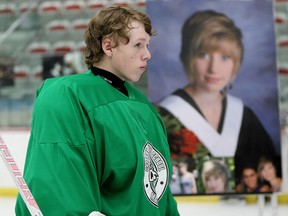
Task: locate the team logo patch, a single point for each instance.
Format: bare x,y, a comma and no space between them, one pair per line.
155,174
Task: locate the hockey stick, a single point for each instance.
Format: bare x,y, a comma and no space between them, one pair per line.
19,180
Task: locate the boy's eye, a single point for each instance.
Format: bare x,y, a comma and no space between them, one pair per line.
138,45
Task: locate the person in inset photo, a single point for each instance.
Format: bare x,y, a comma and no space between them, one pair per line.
187,178
251,183
203,118
215,176
174,184
268,172
182,179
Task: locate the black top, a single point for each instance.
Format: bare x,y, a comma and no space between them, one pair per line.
110,78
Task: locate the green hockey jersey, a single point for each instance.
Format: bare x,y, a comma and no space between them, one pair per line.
92,148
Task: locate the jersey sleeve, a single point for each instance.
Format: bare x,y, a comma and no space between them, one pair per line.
61,178
60,167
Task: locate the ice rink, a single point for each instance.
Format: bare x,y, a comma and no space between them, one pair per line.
196,208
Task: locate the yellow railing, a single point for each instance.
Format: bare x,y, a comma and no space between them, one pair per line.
250,199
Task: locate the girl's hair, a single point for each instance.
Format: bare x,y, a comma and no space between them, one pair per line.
112,22
208,31
215,168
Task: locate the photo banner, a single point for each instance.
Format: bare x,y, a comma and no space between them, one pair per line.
236,147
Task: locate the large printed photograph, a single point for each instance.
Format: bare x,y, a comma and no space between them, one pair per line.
213,79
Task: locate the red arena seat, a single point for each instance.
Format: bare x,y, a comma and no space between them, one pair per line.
80,46
21,74
283,69
283,42
73,6
7,9
141,3
96,4
64,46
39,47
124,3
50,7
37,72
79,24
61,26
280,18
27,6
21,71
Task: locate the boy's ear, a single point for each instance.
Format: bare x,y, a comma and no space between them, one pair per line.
107,44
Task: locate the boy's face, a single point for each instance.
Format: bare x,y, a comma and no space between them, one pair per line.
129,61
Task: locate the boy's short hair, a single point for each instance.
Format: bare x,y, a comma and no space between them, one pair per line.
112,22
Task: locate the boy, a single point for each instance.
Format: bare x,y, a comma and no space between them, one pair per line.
97,143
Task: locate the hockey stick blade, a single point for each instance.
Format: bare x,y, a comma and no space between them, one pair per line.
19,180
